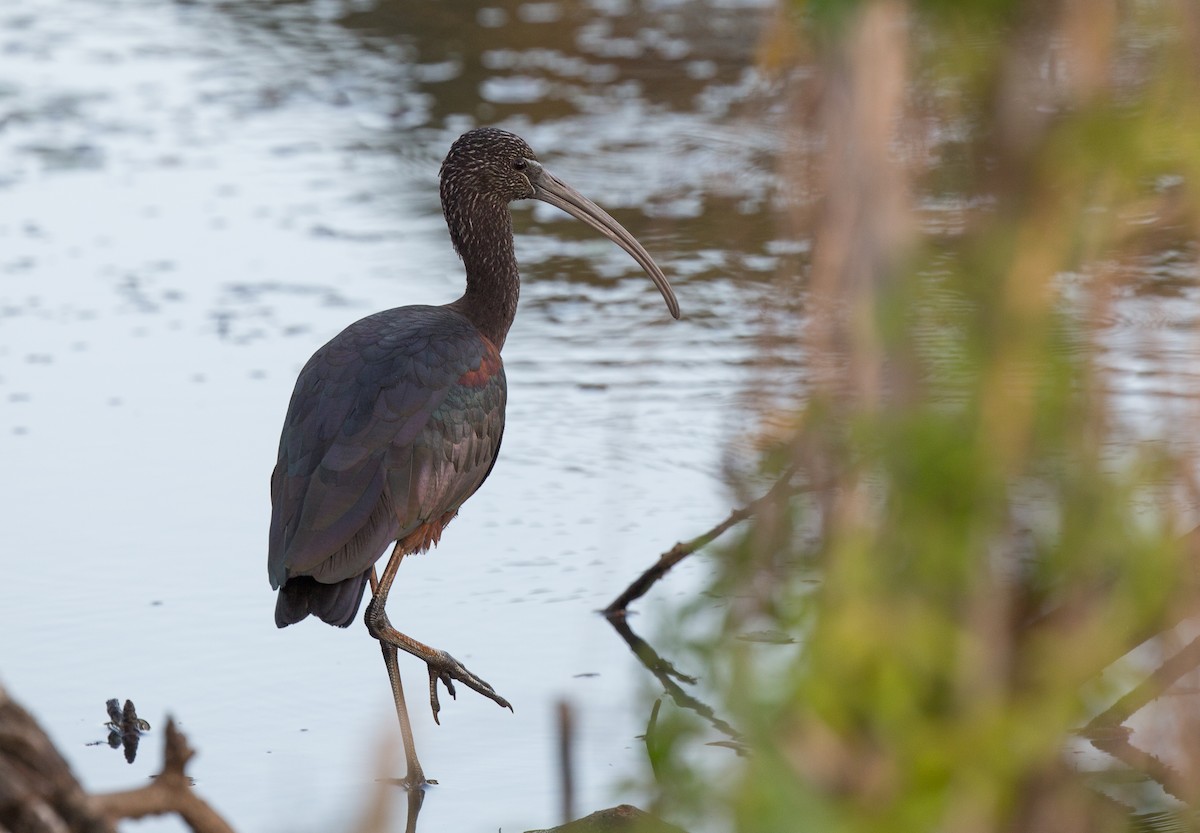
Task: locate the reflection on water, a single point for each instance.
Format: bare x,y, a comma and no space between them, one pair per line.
125,728
671,679
195,195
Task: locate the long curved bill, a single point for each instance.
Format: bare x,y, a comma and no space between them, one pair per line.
551,189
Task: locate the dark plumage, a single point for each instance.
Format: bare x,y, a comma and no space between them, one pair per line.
398,419
392,425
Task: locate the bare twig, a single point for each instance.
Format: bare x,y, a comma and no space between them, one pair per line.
1185,660
685,548
170,792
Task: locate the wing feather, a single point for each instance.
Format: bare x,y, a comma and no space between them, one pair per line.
392,424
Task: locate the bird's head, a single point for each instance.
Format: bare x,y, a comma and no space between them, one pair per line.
489,166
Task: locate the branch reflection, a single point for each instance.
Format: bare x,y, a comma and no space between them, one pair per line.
671,677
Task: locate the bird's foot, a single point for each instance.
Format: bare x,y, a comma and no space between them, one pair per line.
415,781
442,666
445,668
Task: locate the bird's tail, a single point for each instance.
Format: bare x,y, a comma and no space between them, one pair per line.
335,603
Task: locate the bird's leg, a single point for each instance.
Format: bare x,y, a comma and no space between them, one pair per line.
415,777
442,666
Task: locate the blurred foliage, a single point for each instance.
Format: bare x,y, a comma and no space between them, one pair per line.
979,540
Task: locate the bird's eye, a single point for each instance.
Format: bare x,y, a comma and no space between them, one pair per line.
520,165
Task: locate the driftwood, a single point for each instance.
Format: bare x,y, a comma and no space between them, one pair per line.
40,794
170,792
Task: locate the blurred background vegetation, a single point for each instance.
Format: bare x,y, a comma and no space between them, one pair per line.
922,228
928,631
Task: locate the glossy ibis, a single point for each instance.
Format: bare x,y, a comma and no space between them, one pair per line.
397,420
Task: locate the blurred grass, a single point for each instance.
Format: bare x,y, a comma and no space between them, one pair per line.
984,541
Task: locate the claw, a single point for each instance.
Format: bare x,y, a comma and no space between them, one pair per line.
442,667
446,669
433,694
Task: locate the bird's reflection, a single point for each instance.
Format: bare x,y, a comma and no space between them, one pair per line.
378,819
414,798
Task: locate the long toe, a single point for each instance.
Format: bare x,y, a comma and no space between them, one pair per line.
442,666
445,668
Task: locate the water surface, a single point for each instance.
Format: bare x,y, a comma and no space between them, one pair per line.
196,195
193,197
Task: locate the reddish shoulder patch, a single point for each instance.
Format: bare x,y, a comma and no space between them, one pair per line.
489,366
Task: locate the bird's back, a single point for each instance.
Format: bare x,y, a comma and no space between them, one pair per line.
391,426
